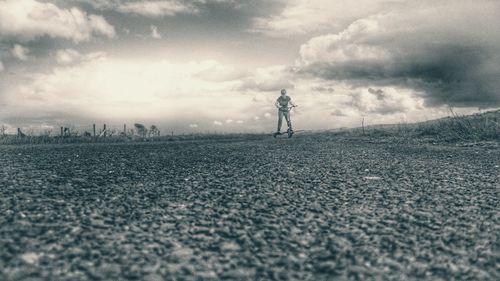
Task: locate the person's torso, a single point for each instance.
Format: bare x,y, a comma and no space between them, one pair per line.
283,101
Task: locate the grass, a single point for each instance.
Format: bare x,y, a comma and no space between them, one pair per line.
13,140
455,128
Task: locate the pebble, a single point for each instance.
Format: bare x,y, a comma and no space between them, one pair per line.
30,257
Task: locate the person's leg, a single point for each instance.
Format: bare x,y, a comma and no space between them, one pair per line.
280,119
288,120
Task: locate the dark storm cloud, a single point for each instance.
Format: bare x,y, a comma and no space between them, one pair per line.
450,58
464,76
241,10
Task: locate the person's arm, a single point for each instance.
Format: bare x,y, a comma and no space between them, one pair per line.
277,103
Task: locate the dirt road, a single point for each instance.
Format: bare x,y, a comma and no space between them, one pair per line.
309,208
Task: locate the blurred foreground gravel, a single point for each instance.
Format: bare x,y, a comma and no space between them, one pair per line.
309,208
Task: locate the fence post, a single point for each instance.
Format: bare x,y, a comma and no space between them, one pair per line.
62,132
104,134
93,127
19,134
363,125
125,129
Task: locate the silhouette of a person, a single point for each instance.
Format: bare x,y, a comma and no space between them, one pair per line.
284,110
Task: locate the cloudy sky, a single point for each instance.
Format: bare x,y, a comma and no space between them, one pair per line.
218,65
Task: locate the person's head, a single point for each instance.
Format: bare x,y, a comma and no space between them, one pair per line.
283,92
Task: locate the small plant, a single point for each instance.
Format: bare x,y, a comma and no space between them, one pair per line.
2,131
141,129
154,131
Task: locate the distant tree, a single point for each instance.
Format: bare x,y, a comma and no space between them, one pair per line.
154,131
2,130
20,133
141,129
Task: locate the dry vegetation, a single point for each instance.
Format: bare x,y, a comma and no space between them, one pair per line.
9,139
481,127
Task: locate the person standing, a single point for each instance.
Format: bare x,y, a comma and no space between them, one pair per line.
283,104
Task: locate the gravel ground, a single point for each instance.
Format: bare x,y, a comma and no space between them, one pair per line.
309,208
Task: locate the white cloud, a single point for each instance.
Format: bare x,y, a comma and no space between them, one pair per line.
67,56
193,125
385,101
217,123
306,16
240,121
229,121
272,78
217,72
341,47
28,19
71,56
20,52
104,87
154,32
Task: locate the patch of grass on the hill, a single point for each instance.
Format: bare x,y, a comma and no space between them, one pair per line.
468,128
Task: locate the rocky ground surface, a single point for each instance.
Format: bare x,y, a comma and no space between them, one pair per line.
308,208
